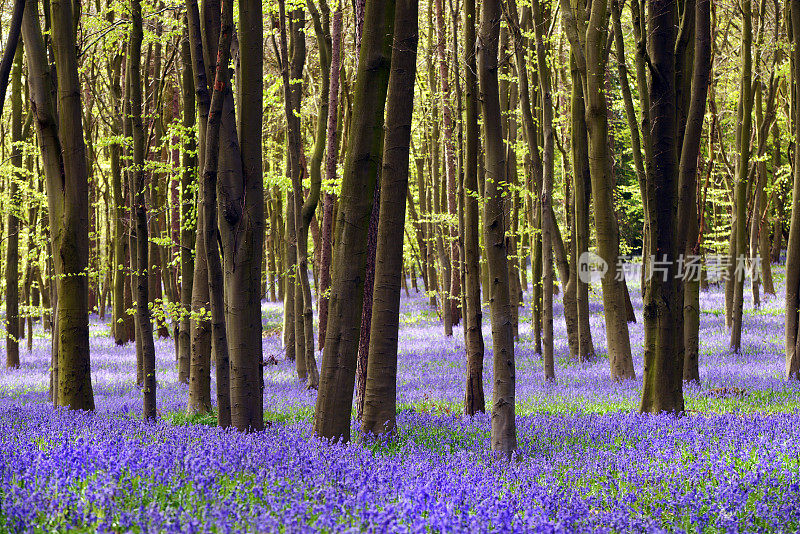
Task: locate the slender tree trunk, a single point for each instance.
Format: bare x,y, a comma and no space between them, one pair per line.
474,400
138,189
450,161
200,326
547,192
793,248
504,432
211,231
12,250
380,395
9,54
689,221
591,59
187,214
330,173
743,171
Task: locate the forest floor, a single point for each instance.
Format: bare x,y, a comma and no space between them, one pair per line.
587,461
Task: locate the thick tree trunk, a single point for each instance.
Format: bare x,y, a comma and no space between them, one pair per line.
504,432
64,156
380,395
362,164
242,227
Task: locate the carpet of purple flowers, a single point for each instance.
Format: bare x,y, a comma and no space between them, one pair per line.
587,461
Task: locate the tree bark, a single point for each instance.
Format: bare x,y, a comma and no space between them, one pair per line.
11,50
138,189
548,167
187,211
12,250
793,248
504,433
211,230
450,162
474,400
200,326
362,164
590,59
743,171
241,205
64,156
331,154
380,395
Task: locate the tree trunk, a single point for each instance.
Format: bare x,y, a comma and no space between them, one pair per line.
12,250
64,156
330,173
362,164
450,162
380,395
211,230
504,432
241,205
591,64
548,166
138,190
793,248
200,326
743,171
187,213
366,313
474,400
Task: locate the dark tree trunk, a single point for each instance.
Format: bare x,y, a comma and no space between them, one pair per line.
548,166
200,326
743,171
138,202
474,400
381,385
64,157
12,250
211,230
362,164
330,174
793,248
366,313
187,214
504,432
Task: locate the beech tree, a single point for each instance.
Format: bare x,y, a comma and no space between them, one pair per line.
59,129
504,430
381,384
363,160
